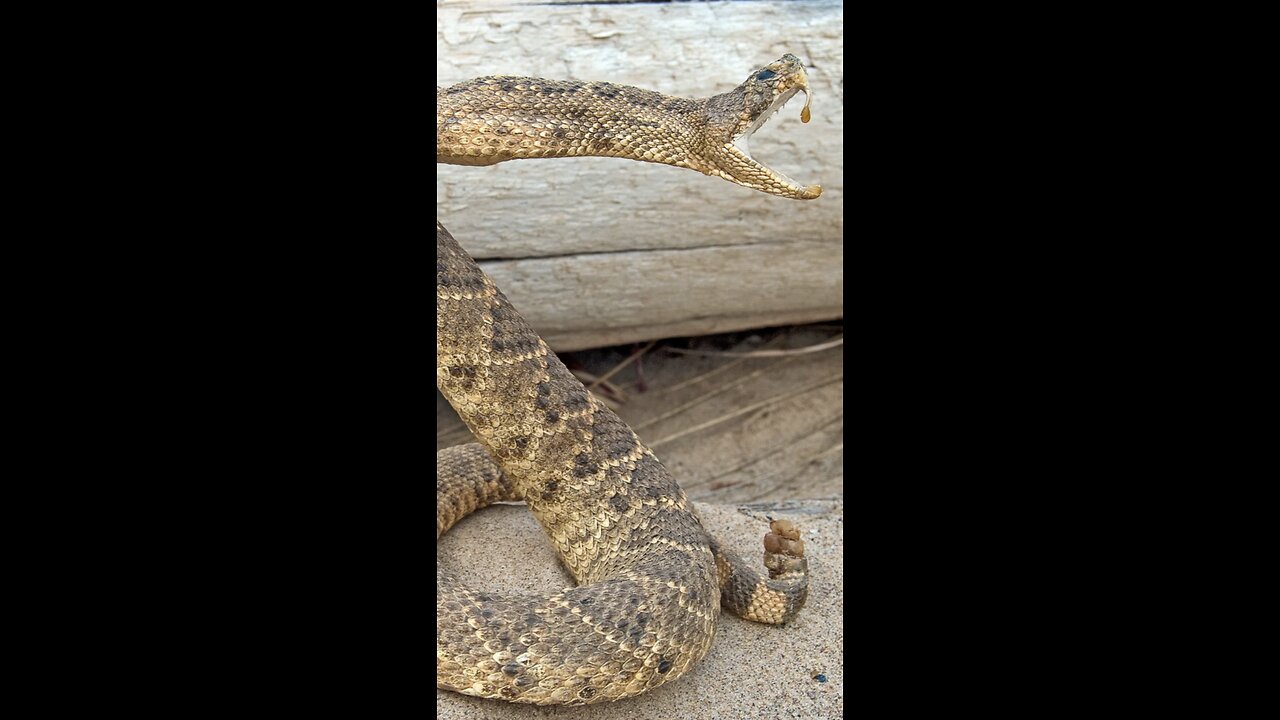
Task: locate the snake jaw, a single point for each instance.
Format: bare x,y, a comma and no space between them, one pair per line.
778,101
756,100
736,166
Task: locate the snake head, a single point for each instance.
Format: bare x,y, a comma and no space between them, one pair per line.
732,118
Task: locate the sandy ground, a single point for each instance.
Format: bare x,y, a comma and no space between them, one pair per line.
750,439
752,671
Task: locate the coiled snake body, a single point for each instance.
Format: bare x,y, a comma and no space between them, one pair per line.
651,580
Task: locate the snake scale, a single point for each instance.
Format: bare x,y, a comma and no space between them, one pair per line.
651,580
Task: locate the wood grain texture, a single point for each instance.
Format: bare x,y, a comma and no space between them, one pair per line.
598,251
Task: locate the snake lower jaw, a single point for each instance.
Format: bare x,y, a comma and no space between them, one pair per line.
733,164
806,192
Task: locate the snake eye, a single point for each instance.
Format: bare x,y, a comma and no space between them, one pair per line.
765,74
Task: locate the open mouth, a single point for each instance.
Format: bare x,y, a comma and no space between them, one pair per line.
743,141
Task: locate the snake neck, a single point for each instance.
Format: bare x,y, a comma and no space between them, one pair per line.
494,119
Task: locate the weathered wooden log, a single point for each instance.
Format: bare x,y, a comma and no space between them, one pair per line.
598,251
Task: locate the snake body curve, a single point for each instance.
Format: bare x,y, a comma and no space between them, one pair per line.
651,580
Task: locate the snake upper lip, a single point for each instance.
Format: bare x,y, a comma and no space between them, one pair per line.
775,106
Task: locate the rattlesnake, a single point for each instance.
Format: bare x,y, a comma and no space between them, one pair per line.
651,580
